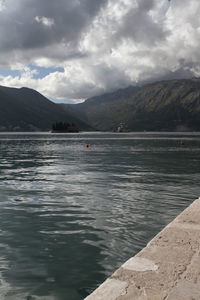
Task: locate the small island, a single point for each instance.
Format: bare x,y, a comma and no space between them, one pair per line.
64,127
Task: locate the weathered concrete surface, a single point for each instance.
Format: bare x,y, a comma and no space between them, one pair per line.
168,268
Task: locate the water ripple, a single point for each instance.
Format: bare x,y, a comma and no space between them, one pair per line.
71,215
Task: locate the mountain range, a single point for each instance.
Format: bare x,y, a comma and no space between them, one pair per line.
172,105
25,109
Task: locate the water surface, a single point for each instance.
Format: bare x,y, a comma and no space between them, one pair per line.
70,215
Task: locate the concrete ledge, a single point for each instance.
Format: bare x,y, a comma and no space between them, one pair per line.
168,268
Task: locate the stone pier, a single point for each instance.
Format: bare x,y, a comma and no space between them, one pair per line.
168,268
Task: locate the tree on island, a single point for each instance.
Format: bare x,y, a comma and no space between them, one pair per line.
64,127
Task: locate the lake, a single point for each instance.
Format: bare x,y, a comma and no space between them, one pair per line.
71,214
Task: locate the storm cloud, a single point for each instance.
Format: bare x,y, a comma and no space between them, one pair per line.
101,45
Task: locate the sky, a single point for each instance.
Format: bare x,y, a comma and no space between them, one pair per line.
71,50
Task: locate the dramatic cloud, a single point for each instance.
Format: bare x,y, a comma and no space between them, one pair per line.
81,48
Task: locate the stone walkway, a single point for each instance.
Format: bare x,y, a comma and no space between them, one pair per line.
168,268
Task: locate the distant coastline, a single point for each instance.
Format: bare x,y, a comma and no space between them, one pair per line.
64,131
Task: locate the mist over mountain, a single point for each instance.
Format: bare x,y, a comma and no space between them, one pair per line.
27,110
172,105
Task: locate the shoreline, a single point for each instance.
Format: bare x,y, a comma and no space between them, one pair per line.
166,269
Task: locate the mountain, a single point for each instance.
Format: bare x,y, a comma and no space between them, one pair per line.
172,105
25,109
101,112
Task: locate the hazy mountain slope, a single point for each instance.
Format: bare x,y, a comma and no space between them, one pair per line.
101,112
25,109
169,105
166,105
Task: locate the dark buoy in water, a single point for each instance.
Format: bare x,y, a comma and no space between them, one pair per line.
87,145
18,200
182,143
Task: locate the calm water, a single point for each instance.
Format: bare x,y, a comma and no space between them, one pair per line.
70,215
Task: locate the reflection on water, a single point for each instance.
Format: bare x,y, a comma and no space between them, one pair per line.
70,215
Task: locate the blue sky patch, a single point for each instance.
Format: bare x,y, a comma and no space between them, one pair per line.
42,72
13,73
